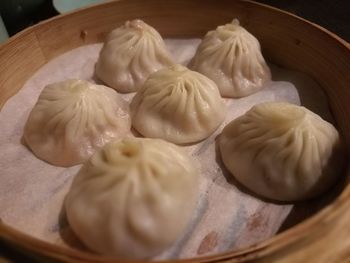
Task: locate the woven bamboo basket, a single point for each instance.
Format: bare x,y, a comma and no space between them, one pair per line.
287,40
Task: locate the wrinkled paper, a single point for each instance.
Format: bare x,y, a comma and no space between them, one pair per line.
226,215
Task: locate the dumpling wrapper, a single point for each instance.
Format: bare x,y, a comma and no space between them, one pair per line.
282,151
130,54
74,118
231,57
133,198
177,105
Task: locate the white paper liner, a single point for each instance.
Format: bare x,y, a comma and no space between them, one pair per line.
226,217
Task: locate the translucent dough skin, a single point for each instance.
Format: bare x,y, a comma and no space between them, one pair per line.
177,105
133,198
231,57
72,119
130,54
282,151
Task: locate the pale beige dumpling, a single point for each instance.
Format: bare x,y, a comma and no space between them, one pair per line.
282,151
130,54
72,119
133,198
178,105
232,58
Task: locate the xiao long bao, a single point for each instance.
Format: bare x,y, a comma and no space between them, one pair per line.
177,105
232,58
72,119
133,198
282,151
130,54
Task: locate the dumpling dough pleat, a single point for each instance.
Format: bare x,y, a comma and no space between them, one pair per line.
282,151
72,119
133,198
130,54
232,58
178,105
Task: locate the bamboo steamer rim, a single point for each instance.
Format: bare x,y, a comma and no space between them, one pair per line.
304,241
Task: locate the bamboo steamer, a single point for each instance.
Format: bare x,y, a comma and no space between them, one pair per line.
287,40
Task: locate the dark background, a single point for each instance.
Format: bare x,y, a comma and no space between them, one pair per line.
331,14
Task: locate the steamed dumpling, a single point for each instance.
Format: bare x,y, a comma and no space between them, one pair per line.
72,119
178,105
133,198
130,54
232,58
282,151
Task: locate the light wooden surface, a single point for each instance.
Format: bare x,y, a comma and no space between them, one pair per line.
286,40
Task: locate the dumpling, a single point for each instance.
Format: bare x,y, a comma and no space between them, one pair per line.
130,54
133,198
282,151
178,105
72,119
232,58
